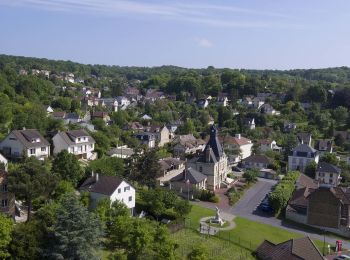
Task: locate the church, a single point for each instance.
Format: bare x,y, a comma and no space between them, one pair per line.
212,162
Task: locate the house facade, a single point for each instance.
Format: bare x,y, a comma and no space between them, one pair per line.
77,142
147,139
212,162
256,162
109,187
301,156
170,168
188,144
269,145
161,133
7,199
27,142
328,174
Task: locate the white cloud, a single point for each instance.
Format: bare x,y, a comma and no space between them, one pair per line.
192,13
203,42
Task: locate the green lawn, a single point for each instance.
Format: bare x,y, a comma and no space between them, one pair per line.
216,248
247,234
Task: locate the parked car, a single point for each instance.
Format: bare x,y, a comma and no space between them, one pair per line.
265,205
342,257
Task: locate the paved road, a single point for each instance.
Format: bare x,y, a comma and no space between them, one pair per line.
246,207
252,198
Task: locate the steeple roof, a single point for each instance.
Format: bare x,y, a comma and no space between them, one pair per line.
214,142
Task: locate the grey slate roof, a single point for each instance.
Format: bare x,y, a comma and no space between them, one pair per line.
304,148
105,185
25,137
327,167
190,174
257,159
214,142
69,136
121,151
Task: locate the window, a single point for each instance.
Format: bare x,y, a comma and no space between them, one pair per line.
119,190
4,187
4,203
43,149
79,139
200,168
126,188
330,181
331,175
130,198
32,151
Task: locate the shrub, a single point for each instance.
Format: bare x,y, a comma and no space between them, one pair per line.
279,198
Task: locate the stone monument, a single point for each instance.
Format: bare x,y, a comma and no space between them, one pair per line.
217,219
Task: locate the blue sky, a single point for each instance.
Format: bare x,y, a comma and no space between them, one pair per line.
256,34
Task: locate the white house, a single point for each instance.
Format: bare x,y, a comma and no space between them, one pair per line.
4,162
203,103
27,142
327,174
77,142
109,187
301,156
121,152
269,145
123,102
222,100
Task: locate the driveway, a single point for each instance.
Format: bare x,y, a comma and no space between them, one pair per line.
247,205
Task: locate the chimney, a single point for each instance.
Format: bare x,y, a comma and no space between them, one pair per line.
92,174
238,136
96,177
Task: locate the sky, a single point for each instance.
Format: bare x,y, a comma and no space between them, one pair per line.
250,34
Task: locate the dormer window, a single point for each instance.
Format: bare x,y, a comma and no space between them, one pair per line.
79,139
35,140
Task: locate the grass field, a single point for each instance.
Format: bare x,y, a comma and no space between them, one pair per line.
216,248
247,234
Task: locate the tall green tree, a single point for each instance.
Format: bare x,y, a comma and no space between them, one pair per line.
68,167
6,227
77,232
31,180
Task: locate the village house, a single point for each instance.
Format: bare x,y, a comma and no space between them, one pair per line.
3,163
247,102
123,102
304,138
189,182
296,248
146,117
269,145
49,110
77,142
203,103
324,146
237,147
269,110
25,143
327,208
152,95
121,152
256,161
250,123
7,199
161,134
212,162
222,100
147,139
134,126
132,93
257,102
100,115
172,126
110,103
289,127
170,168
187,144
109,187
328,174
301,156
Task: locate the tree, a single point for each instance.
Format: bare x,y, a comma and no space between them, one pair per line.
147,169
31,180
198,252
77,231
108,211
112,166
310,169
68,167
6,227
329,158
251,175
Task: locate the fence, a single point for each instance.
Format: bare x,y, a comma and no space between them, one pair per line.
222,244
